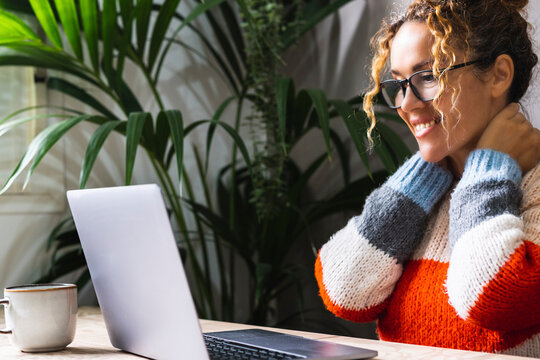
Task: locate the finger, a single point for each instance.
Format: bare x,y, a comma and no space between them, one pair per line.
510,109
528,160
520,117
509,112
536,135
535,143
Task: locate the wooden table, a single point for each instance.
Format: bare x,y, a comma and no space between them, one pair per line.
92,342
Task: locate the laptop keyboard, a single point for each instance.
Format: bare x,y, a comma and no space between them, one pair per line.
220,349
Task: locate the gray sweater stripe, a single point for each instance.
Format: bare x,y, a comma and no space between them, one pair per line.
477,203
392,222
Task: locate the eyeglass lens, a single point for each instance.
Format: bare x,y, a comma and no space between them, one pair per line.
424,85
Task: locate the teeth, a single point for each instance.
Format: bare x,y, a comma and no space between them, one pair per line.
425,125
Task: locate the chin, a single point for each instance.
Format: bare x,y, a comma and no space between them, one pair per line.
431,154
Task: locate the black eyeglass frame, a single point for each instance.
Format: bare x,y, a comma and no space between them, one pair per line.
407,81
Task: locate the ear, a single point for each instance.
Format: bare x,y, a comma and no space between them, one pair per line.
502,75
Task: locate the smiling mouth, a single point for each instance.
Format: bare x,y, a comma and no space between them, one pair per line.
423,126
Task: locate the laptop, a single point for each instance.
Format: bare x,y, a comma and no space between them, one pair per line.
142,289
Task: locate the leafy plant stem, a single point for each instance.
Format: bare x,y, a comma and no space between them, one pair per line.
233,162
204,248
232,202
147,76
204,292
99,82
172,198
225,303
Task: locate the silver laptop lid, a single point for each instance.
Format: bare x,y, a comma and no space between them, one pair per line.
109,222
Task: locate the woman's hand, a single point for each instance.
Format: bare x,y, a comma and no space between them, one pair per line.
511,133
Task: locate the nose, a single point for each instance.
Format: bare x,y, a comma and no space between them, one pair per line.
410,101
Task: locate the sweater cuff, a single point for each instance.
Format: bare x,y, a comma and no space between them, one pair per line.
421,181
489,165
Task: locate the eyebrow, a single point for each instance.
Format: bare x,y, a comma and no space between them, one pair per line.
415,68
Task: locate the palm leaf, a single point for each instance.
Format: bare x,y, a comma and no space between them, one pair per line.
176,125
342,154
161,136
89,15
321,107
32,108
8,124
108,34
357,129
70,21
134,130
398,147
209,45
57,131
163,20
212,127
202,176
142,16
225,46
26,54
128,100
381,148
203,8
302,108
215,221
313,12
14,29
76,92
219,70
83,279
128,15
234,135
94,146
66,223
21,6
41,144
234,29
44,13
299,187
68,262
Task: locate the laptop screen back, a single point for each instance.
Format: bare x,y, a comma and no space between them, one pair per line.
137,271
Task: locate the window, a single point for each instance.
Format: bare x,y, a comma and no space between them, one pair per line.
45,192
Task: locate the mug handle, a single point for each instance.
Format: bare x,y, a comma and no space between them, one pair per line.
5,302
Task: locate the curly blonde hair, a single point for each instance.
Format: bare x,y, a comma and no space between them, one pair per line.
464,25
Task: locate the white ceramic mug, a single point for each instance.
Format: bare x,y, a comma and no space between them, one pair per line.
40,317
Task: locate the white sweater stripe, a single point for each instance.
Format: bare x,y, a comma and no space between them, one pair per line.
357,282
478,256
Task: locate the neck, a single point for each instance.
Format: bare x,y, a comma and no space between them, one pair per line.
457,160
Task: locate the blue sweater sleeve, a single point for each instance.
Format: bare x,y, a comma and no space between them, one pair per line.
395,215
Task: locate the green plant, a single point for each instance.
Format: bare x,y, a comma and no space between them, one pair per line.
263,207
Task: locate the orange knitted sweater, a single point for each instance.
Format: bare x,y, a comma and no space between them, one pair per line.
456,265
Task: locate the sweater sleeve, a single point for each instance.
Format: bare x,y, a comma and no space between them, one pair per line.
359,266
493,278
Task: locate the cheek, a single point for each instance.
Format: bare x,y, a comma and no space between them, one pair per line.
446,104
469,110
405,119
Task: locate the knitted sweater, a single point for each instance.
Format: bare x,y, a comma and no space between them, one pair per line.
440,267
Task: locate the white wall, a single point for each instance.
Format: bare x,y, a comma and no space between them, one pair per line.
530,100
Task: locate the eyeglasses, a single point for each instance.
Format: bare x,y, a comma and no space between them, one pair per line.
424,85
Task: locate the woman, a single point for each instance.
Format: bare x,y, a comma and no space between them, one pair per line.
447,252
